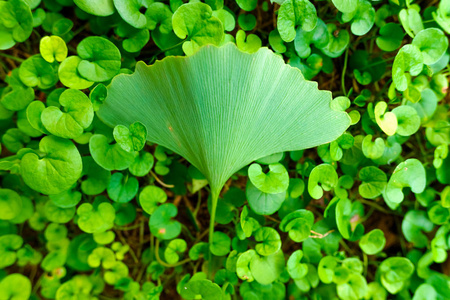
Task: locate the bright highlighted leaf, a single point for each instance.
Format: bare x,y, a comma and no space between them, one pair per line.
77,116
195,22
100,59
294,13
212,150
132,138
53,48
326,176
56,170
409,173
250,43
373,242
386,120
161,224
96,217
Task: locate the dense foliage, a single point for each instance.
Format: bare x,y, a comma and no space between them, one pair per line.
88,211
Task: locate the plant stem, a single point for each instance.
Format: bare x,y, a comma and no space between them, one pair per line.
344,69
214,199
12,57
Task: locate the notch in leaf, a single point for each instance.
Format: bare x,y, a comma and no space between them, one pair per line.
221,109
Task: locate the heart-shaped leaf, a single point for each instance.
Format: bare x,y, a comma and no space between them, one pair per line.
386,120
56,170
132,138
77,116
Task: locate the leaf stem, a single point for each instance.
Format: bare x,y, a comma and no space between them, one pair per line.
214,199
163,263
12,57
344,70
160,182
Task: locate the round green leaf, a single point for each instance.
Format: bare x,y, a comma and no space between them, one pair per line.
35,71
96,217
408,120
56,170
324,174
53,48
373,242
409,173
15,287
77,116
263,203
150,197
220,245
373,183
132,138
161,224
433,43
100,59
10,204
195,22
269,241
100,8
69,75
109,157
122,188
267,269
274,182
171,252
130,11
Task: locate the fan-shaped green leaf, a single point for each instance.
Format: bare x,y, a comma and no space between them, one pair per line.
229,127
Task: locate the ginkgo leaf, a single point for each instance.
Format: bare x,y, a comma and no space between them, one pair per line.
222,109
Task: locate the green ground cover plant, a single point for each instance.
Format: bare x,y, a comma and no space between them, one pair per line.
211,150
